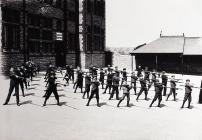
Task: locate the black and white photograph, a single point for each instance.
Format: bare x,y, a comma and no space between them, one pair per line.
100,69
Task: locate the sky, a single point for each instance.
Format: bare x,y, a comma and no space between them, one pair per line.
130,23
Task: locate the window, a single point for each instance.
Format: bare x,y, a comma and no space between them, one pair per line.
71,16
96,29
89,42
9,15
46,23
102,43
47,35
34,46
10,37
71,5
88,6
33,20
71,41
46,48
59,25
34,33
96,43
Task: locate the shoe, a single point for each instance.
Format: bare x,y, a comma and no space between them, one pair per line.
110,98
44,104
104,93
87,104
117,105
5,104
98,105
150,106
18,104
58,104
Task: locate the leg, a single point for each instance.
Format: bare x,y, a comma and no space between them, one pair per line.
128,100
146,93
189,101
76,88
169,94
141,90
174,94
160,99
107,86
110,87
91,96
154,99
17,94
9,93
22,88
185,99
164,90
56,95
122,98
117,93
112,93
49,91
97,98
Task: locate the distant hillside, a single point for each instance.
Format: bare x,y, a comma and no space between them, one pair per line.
121,50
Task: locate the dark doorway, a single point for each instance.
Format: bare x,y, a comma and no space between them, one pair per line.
108,58
60,54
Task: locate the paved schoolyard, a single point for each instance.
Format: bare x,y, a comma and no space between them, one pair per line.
75,121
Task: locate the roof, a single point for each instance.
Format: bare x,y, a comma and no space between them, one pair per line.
172,44
193,46
34,7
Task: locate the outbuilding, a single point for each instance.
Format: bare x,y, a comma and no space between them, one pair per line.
175,54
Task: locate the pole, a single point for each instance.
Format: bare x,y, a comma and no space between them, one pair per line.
92,8
156,63
132,62
200,95
24,30
65,29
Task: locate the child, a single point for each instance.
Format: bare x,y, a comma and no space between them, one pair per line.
158,93
94,91
187,96
126,93
102,76
87,85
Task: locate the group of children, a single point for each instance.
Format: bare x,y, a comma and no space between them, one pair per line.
115,80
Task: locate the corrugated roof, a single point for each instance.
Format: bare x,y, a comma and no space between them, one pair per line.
165,44
193,46
173,44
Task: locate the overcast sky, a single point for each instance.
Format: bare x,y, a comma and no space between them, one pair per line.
133,22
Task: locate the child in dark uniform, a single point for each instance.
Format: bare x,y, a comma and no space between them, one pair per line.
94,91
87,85
102,76
158,93
187,96
126,93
